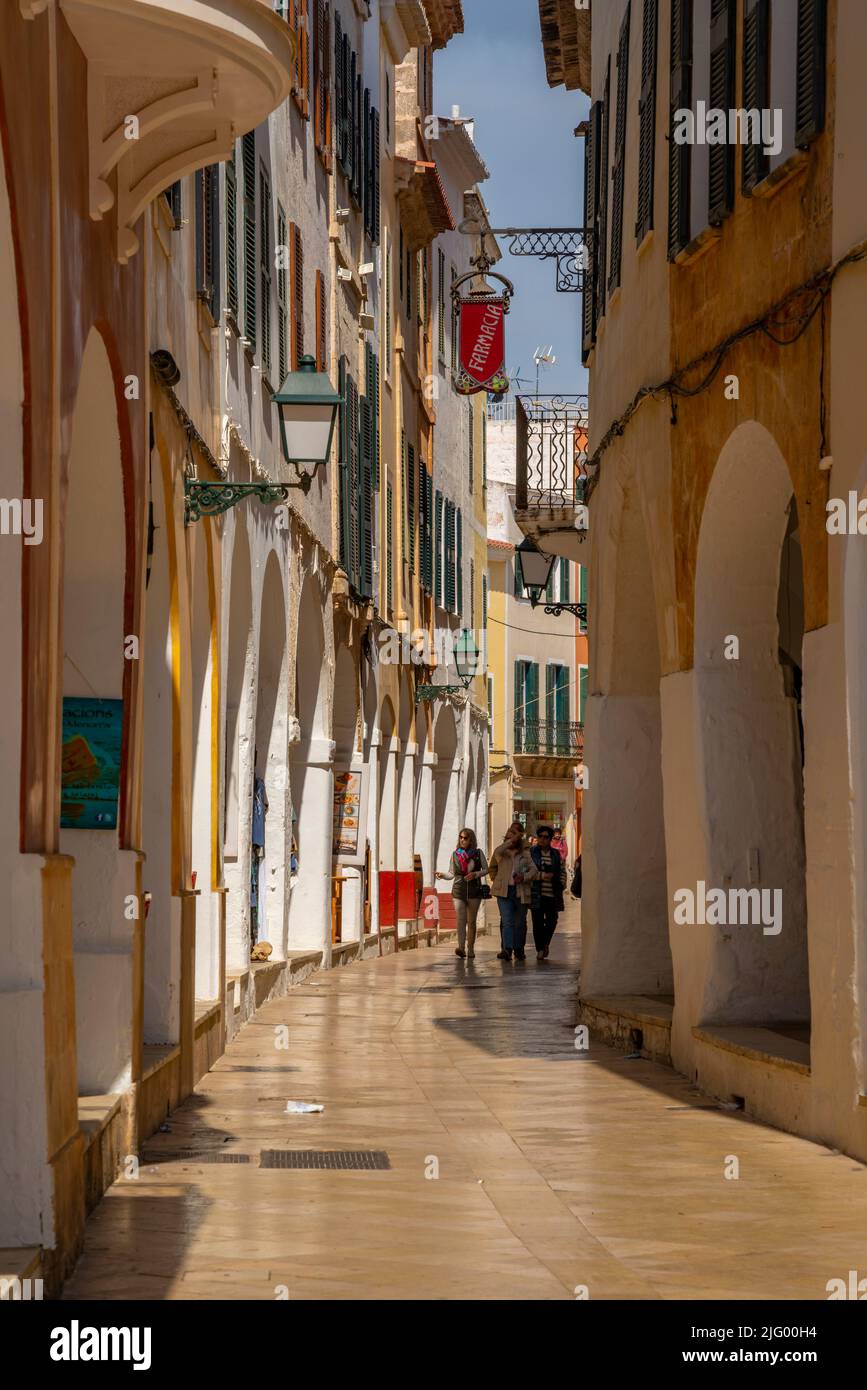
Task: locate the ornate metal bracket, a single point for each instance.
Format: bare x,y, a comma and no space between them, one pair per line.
578,610
212,499
435,692
568,246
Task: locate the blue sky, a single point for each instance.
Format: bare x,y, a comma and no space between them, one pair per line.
495,72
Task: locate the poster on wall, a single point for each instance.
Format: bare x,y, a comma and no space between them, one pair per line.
350,815
91,746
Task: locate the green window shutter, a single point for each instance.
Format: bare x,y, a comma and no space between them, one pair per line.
450,557
343,464
371,390
549,588
679,161
519,714
231,238
441,301
756,88
248,164
265,265
427,479
438,548
591,204
459,562
810,72
389,557
518,579
583,688
582,594
484,450
602,222
617,182
532,706
647,120
565,595
366,497
484,600
721,158
550,692
282,298
561,706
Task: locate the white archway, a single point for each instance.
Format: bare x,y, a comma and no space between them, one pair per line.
312,780
448,810
348,755
271,731
240,707
204,740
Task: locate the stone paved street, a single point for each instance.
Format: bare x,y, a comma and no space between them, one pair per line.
556,1168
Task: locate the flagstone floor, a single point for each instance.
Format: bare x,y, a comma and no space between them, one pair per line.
520,1167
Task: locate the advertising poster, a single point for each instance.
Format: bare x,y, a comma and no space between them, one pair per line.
92,735
350,815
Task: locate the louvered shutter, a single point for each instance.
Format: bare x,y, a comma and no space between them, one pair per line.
582,595
647,120
518,711
591,200
810,74
459,562
471,445
411,504
561,708
427,483
231,238
450,556
376,222
265,255
366,497
367,163
721,158
617,182
602,214
343,467
321,320
679,156
355,481
756,79
438,549
583,689
282,298
531,706
296,272
550,700
371,389
389,542
248,159
322,81
564,581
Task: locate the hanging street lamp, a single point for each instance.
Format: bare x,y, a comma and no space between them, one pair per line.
308,406
467,656
536,569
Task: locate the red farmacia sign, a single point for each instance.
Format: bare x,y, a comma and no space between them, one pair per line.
482,350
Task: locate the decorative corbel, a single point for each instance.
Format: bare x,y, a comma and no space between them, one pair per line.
31,8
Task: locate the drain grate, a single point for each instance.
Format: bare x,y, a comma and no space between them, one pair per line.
194,1156
324,1158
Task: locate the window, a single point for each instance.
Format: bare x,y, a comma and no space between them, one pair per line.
810,68
371,389
208,238
490,711
409,273
441,302
408,458
248,164
265,265
438,549
679,161
617,182
321,324
282,297
388,273
232,291
484,601
453,347
322,81
172,196
459,561
297,14
582,594
564,595
519,578
472,592
756,80
526,707
387,107
342,98
425,497
371,170
591,213
557,739
450,556
355,484
296,285
400,264
647,120
602,235
484,450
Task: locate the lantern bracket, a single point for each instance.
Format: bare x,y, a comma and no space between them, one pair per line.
204,498
568,246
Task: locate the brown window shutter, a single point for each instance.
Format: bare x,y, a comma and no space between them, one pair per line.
322,81
297,278
321,309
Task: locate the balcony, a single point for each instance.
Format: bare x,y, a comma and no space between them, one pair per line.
170,85
543,739
550,472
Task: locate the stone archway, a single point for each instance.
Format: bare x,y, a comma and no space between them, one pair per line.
388,808
94,589
268,903
312,781
625,901
348,756
240,709
407,906
204,744
749,626
447,804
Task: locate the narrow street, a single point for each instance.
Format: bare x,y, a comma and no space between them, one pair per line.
557,1168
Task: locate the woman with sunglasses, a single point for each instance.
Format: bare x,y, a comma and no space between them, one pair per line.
468,866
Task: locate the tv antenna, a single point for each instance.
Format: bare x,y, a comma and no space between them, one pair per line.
544,358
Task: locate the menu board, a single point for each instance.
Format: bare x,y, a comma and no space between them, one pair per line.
92,736
350,815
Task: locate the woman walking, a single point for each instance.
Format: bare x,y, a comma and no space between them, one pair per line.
513,872
546,893
468,866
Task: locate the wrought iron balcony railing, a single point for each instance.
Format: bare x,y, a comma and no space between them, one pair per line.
546,739
552,434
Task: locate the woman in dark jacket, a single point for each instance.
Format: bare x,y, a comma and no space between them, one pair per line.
468,866
546,901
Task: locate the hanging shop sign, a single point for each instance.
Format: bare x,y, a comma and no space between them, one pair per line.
92,737
350,815
480,325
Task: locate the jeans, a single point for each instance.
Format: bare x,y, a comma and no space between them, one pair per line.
544,922
466,911
513,919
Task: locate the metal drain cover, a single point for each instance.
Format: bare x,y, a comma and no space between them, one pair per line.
324,1158
194,1156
